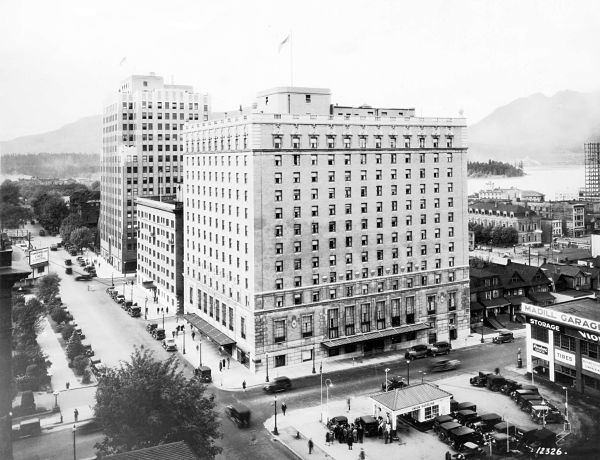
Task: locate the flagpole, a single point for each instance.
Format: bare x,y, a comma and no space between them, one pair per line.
291,61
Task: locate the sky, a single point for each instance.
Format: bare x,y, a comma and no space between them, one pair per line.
60,59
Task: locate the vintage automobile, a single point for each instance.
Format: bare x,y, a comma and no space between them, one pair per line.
528,440
462,435
480,379
467,416
203,373
159,334
368,423
469,451
502,443
467,405
453,405
417,351
495,382
504,427
486,422
440,348
527,401
278,384
544,413
439,420
337,420
239,414
504,336
444,430
69,270
393,383
444,365
151,326
518,394
510,386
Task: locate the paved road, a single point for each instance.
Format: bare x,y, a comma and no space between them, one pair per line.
56,446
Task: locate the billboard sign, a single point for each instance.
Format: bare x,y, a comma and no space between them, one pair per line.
39,256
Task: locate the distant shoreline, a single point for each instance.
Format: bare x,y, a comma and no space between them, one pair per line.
492,176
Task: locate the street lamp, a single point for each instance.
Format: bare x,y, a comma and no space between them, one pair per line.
74,450
124,283
313,353
482,341
56,393
199,348
387,369
275,432
544,413
566,404
146,308
321,372
183,331
112,279
328,383
423,374
408,371
267,359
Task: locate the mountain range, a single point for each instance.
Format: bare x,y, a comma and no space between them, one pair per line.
535,129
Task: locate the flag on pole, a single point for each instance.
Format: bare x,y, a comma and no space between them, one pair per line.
285,40
123,61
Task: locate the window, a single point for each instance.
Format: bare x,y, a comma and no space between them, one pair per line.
365,317
277,160
297,246
380,314
307,326
410,310
279,230
432,411
278,213
277,142
395,312
278,178
314,211
279,194
540,333
279,330
330,142
333,323
278,284
314,142
349,320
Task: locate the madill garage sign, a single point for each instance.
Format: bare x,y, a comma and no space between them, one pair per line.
560,317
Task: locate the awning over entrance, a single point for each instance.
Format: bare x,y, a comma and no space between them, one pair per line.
476,306
208,330
411,399
541,297
517,300
362,337
494,303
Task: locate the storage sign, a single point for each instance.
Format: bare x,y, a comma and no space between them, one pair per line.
560,317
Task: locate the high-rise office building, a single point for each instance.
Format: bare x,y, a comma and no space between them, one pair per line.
142,126
592,171
314,230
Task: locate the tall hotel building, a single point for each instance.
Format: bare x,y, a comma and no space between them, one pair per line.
142,154
592,171
314,230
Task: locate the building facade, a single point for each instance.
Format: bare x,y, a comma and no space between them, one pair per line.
494,213
314,230
562,343
572,215
160,250
142,126
591,152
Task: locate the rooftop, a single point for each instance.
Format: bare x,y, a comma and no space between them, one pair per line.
586,308
172,451
410,396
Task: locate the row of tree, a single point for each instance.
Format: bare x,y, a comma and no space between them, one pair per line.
494,168
73,232
496,235
52,164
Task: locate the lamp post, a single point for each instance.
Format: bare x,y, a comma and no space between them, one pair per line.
74,449
131,291
566,404
275,432
408,371
112,279
423,374
321,372
482,341
183,331
162,310
199,348
328,383
387,369
146,308
56,393
124,283
267,359
313,353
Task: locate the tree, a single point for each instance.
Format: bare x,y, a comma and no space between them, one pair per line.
68,225
510,236
50,209
28,317
12,214
147,402
82,237
48,288
74,347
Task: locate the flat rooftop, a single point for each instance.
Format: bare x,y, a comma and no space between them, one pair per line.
586,308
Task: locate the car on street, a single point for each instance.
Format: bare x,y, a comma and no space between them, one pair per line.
83,278
544,413
440,348
504,336
417,351
466,416
150,327
169,345
441,419
480,380
239,414
486,422
69,271
368,423
159,334
42,232
135,312
68,262
469,451
340,420
73,252
278,384
495,382
53,247
444,365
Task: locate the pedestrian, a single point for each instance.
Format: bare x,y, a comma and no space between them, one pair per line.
173,334
157,310
68,384
310,445
361,433
355,434
348,404
362,455
223,363
220,366
193,335
350,441
327,438
228,362
283,407
76,414
244,385
385,436
448,455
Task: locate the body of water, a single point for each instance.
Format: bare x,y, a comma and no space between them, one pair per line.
554,181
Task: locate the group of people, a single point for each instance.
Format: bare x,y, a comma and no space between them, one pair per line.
347,433
384,429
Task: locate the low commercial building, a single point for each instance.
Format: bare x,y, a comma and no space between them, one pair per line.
562,343
571,215
160,250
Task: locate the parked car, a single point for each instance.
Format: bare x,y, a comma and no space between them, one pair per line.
239,414
469,451
486,422
529,439
417,351
278,384
135,312
466,416
504,335
53,247
368,423
119,298
495,382
528,401
467,405
87,348
504,427
69,270
85,277
439,420
42,232
445,428
462,435
92,273
151,327
546,414
393,383
510,386
500,441
169,344
444,365
337,420
158,334
68,262
73,252
518,394
480,380
203,373
440,348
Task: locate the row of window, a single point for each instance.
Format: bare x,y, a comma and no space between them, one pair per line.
297,159
295,142
408,174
